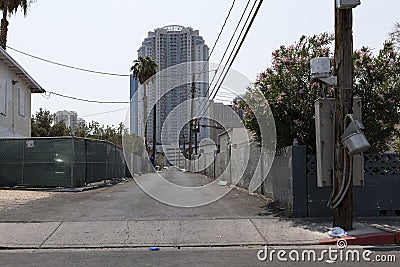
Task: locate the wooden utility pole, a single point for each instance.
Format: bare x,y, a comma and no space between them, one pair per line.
154,133
145,116
343,214
191,119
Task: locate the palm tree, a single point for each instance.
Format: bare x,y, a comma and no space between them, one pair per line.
10,7
143,68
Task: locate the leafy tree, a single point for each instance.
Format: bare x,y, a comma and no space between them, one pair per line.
41,123
377,82
82,130
134,144
60,129
43,126
95,130
10,7
291,92
109,133
142,69
395,34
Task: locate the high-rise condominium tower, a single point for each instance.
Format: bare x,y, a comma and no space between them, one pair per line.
171,46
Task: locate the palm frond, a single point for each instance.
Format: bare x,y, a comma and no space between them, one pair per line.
143,68
12,6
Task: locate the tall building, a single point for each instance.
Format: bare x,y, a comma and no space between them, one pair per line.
70,118
170,46
133,109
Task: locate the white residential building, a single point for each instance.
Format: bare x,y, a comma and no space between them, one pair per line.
16,87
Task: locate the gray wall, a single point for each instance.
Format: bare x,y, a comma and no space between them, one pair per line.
292,180
283,184
380,194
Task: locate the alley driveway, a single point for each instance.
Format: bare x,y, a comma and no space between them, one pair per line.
123,216
126,201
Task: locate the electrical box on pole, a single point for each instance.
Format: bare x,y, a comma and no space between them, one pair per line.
324,123
346,4
320,67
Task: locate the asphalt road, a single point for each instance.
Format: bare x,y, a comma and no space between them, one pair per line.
169,257
127,202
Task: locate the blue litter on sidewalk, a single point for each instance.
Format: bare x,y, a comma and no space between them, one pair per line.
154,249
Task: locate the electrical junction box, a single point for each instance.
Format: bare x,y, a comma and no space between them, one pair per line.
324,128
346,4
320,67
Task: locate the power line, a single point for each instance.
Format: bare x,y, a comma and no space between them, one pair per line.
219,35
67,66
234,53
227,47
230,41
89,70
222,28
86,100
101,113
241,42
204,108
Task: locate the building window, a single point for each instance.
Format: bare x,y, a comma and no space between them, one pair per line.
3,98
21,102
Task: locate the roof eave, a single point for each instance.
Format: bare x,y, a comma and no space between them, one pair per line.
20,72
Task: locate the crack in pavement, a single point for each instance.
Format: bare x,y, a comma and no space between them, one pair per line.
127,232
40,246
258,231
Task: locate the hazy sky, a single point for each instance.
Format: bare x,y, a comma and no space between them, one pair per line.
105,35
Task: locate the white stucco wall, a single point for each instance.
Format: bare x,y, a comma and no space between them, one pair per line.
12,124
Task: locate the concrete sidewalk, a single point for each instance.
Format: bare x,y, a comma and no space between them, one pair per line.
124,216
189,233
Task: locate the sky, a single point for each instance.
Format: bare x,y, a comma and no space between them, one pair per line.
105,35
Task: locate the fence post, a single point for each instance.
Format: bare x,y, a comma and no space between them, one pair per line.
105,180
86,161
72,161
23,161
115,161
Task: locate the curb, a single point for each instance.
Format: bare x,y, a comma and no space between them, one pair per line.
111,182
397,238
366,239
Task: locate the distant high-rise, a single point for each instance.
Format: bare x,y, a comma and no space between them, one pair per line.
170,46
70,118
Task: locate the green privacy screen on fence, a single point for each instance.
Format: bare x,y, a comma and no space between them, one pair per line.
58,162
